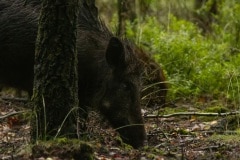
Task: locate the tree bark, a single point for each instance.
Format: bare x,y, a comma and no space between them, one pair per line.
55,93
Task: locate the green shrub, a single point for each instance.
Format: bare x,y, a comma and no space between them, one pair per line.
194,64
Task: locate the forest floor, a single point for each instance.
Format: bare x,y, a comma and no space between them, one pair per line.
182,136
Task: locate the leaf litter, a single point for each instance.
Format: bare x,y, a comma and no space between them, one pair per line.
180,137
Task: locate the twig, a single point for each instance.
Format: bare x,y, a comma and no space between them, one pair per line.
15,99
191,114
9,115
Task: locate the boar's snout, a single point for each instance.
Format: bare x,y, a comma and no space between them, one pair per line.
133,134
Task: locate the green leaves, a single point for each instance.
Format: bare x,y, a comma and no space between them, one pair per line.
195,64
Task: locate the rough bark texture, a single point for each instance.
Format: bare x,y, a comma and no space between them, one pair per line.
55,91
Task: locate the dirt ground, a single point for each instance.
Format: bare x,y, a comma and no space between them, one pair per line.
180,137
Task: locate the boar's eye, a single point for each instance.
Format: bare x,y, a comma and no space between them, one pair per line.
125,86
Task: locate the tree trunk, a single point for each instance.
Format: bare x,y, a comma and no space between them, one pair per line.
55,94
126,11
144,7
206,13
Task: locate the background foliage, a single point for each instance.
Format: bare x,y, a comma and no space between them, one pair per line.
197,61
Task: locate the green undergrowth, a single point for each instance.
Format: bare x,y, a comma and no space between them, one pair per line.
195,64
226,138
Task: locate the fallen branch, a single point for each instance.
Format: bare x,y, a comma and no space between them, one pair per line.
191,114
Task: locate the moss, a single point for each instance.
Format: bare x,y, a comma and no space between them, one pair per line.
64,149
169,110
225,138
217,109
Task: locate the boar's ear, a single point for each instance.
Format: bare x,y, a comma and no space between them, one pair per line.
115,55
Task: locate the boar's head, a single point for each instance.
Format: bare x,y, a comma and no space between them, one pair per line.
120,103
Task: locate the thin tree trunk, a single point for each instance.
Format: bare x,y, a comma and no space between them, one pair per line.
126,11
206,13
